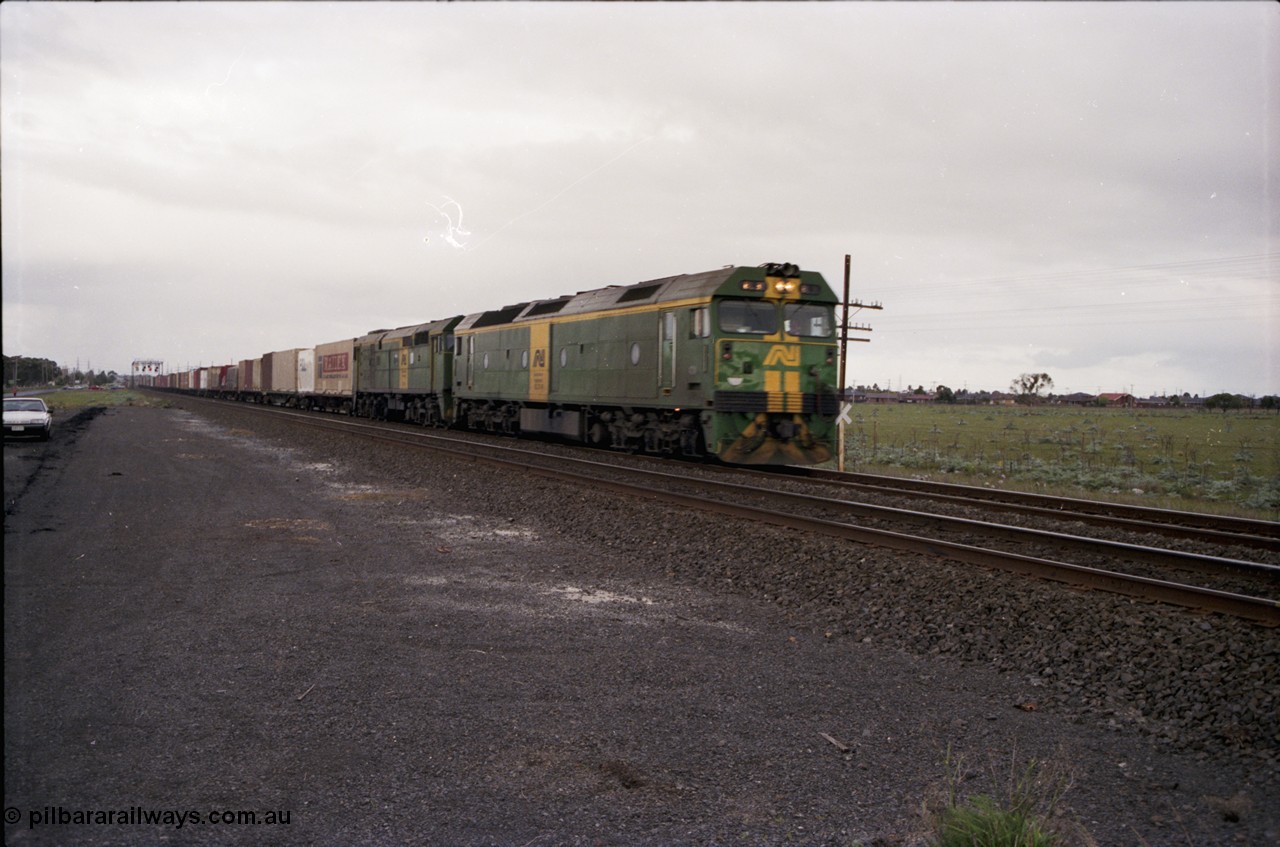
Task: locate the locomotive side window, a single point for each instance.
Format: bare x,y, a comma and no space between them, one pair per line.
700,323
808,320
751,317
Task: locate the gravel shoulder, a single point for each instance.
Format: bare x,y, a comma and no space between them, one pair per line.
208,611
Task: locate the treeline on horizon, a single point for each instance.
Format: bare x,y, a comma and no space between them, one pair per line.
28,372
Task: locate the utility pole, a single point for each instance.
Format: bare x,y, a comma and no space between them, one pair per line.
845,329
844,361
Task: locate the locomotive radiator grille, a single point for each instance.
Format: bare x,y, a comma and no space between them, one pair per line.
765,401
783,391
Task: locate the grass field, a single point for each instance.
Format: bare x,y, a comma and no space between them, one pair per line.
63,403
1174,458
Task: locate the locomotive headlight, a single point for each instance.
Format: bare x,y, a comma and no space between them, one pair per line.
726,351
784,286
831,355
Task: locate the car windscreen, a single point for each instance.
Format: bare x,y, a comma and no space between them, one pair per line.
23,406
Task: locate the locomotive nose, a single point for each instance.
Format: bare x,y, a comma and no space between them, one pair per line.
771,438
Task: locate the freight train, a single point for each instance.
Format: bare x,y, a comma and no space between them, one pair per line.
737,363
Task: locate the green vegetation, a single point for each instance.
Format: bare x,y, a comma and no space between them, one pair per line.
1020,809
1196,459
981,822
70,402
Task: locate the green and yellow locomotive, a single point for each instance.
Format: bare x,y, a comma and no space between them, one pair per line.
739,363
406,373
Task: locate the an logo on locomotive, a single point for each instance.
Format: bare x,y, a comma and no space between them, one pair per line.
787,355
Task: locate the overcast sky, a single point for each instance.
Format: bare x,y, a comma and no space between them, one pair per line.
1086,190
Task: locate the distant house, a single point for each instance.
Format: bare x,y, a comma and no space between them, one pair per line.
1078,399
1153,402
1114,399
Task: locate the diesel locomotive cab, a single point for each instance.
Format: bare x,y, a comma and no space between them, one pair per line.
776,396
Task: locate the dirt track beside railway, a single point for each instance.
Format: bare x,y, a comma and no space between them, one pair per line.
206,611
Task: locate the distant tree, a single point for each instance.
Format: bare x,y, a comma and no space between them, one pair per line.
1271,401
944,395
24,370
1223,401
1028,386
919,390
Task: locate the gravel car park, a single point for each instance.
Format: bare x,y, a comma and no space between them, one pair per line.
27,417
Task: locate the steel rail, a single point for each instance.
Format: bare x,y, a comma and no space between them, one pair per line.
1263,610
1134,552
1146,525
1234,530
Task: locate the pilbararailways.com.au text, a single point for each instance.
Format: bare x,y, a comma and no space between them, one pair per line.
141,816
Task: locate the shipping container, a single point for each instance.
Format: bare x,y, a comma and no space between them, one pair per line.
306,377
333,368
227,378
280,371
250,374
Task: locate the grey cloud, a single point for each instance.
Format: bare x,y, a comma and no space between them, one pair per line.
603,143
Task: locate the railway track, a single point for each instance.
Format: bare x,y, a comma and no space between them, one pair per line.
1213,529
1252,592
